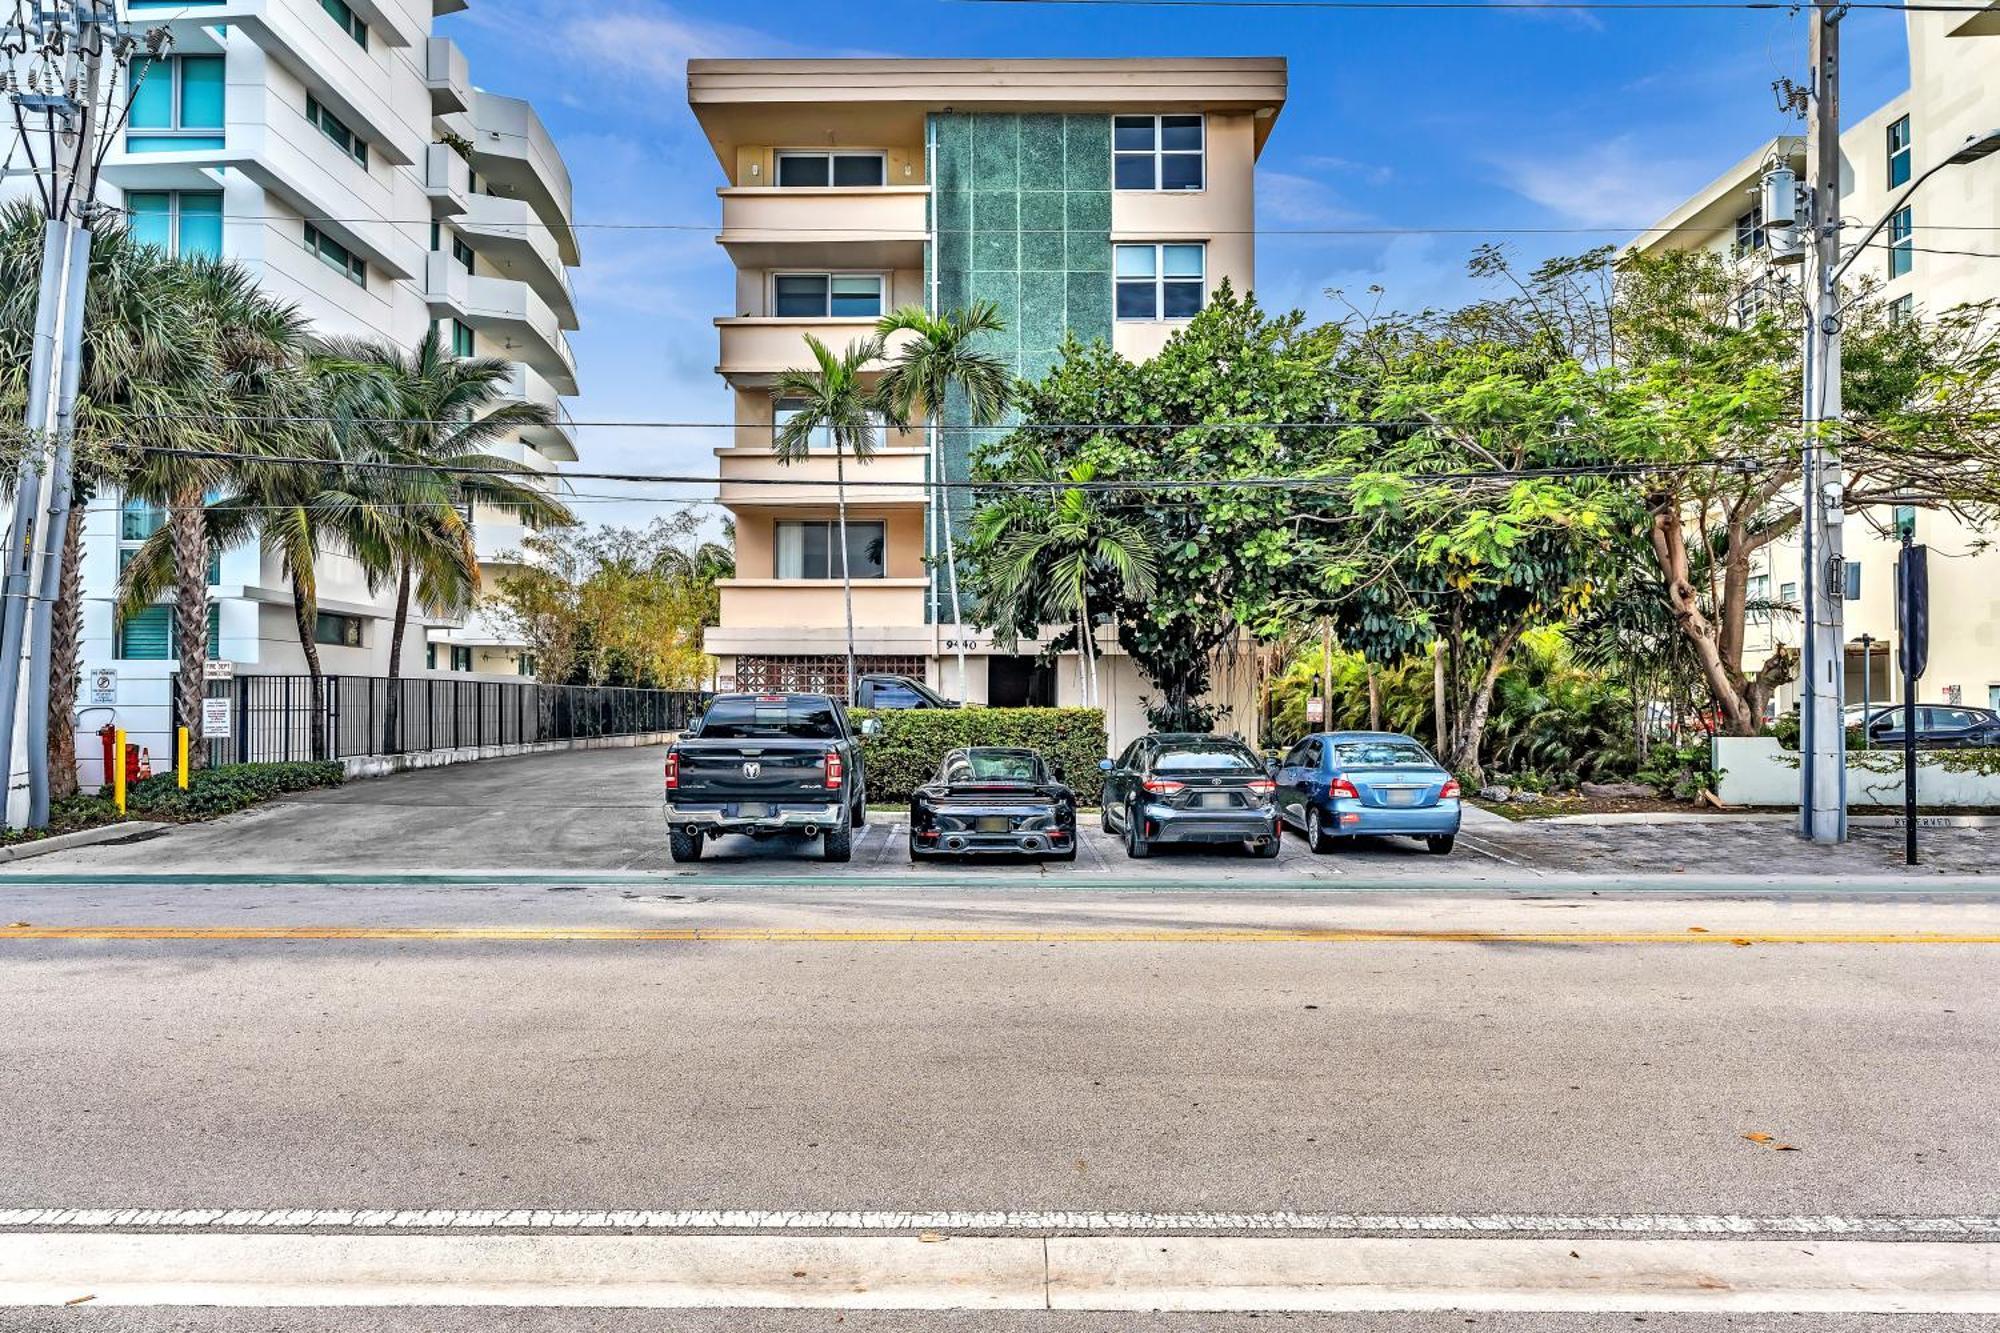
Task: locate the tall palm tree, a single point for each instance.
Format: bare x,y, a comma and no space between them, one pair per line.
833,400
1041,552
943,356
431,415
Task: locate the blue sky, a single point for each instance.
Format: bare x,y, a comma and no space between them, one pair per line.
1459,119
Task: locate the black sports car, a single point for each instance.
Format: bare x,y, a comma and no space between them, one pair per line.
989,801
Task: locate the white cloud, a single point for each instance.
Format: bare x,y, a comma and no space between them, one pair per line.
1618,182
1300,201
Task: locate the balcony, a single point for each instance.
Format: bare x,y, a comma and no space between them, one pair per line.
817,603
879,227
447,180
516,158
508,234
348,79
448,76
755,350
506,312
555,441
756,477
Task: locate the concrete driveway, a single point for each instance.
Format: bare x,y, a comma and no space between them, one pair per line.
599,810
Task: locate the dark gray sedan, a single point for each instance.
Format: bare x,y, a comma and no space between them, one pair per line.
1183,788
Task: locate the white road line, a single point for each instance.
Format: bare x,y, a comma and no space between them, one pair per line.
1053,1221
987,1273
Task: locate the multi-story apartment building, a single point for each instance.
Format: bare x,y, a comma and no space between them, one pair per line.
339,150
1951,98
1103,198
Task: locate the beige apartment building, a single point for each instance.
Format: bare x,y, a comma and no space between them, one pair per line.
1104,198
1954,95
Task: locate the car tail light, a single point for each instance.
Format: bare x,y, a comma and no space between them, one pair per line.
1343,788
1164,786
1450,791
1262,786
835,771
673,772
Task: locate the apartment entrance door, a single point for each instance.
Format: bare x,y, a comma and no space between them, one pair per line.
1020,682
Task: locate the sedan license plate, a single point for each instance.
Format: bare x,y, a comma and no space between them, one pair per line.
752,810
1402,795
1218,800
995,824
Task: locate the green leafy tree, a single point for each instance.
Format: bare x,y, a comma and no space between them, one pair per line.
832,399
942,355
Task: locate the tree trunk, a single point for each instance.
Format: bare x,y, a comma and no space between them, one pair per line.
950,561
302,617
1669,538
1439,708
1374,699
392,706
1642,738
65,659
846,584
186,522
1472,729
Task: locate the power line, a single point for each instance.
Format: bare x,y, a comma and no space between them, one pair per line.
1597,5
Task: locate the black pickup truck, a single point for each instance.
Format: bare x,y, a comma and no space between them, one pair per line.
767,764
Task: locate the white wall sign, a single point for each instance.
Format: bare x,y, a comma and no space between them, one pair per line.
219,670
215,717
103,686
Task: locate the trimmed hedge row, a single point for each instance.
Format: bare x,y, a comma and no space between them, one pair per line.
225,790
906,752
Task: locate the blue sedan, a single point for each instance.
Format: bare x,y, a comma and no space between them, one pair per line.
1344,784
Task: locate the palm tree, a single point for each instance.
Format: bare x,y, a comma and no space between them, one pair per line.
1040,554
430,414
943,356
832,399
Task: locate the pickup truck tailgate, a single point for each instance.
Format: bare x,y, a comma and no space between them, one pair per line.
751,770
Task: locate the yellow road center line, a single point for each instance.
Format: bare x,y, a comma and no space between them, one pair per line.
735,935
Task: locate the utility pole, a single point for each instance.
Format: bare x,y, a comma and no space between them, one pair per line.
58,53
1822,673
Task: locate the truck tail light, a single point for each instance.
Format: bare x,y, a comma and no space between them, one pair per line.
1450,791
1343,788
836,771
673,771
1163,786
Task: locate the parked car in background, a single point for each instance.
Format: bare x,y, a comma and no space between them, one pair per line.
991,801
1184,788
1339,785
766,765
1939,727
885,691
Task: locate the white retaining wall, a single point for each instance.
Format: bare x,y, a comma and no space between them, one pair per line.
1757,770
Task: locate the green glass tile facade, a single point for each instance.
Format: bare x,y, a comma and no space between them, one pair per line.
1023,218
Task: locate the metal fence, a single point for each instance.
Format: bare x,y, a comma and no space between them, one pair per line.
272,718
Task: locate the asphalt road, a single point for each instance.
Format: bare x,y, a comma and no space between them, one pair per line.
599,810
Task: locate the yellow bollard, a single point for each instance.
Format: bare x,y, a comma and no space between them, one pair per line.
181,760
118,769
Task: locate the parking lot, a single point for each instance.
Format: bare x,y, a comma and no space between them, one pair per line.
600,810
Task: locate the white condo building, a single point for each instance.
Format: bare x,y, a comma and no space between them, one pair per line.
1923,262
339,150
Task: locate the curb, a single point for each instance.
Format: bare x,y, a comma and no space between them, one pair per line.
89,837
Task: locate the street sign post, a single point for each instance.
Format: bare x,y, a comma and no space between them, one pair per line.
1913,635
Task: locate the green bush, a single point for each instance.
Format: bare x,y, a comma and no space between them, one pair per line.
221,791
912,742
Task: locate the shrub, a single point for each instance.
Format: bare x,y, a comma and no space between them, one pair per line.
221,791
1682,773
906,752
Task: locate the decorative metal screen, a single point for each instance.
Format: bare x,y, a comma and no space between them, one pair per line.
816,675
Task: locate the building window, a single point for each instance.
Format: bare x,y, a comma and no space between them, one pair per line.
461,252
1160,281
150,636
1903,309
1788,593
349,21
177,104
461,657
180,222
1749,304
826,295
336,256
336,129
457,334
1757,599
1850,590
1157,152
812,170
430,657
809,550
525,664
1750,231
1902,243
1899,152
784,409
337,631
